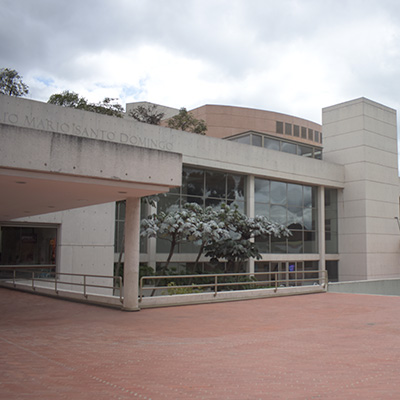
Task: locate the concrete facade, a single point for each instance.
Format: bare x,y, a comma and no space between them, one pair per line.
45,166
77,164
362,136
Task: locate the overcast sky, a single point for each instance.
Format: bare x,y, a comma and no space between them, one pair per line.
290,56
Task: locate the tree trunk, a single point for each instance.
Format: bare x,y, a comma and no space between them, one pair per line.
163,270
198,256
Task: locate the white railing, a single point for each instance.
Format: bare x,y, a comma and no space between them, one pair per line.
245,281
45,276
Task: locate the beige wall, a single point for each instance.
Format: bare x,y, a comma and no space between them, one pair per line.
362,136
195,149
360,159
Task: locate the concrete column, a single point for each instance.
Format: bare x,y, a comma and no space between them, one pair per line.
250,206
132,252
321,227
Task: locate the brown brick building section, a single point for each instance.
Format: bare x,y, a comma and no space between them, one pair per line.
225,121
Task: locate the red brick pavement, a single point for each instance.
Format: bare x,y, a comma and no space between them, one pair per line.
320,346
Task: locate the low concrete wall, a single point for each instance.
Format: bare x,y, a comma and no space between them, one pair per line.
103,300
201,298
386,287
171,300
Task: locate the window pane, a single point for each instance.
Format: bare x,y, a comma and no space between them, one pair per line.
261,191
307,192
261,209
143,245
331,198
318,154
119,236
314,222
256,140
168,203
311,266
271,144
295,242
243,139
278,192
278,214
310,242
304,132
240,204
310,134
296,130
262,243
261,267
215,184
288,129
120,208
305,151
307,218
333,271
278,245
163,245
193,182
295,217
295,194
236,187
279,127
288,148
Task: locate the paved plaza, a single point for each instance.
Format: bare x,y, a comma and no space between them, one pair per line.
319,346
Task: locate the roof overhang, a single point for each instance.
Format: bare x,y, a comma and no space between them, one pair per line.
42,172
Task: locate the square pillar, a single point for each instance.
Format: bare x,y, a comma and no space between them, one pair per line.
362,136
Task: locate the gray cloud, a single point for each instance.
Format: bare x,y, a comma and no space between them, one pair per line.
293,56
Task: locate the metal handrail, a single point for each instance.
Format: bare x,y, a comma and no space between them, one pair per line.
276,282
58,282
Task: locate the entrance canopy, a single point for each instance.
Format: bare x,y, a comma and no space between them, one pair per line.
42,172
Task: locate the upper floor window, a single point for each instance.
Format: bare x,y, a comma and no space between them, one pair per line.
274,143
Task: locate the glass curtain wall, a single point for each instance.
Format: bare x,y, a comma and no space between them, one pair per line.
292,205
287,273
206,188
120,208
273,143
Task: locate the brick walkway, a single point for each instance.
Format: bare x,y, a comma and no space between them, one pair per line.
321,346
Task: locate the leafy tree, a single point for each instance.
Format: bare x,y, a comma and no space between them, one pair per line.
185,121
68,99
107,107
209,230
222,233
11,83
175,226
73,100
147,114
237,246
